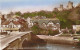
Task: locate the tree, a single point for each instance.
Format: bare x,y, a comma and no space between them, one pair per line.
18,13
35,29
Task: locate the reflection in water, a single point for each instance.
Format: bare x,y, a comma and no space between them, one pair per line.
28,45
60,47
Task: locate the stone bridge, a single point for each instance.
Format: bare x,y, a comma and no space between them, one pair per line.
14,42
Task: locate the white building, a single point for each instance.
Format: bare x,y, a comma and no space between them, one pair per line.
30,24
76,27
52,25
10,26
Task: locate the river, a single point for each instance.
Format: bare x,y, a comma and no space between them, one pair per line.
36,46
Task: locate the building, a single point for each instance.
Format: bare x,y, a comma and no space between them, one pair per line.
44,25
61,7
10,26
7,25
52,23
30,24
76,27
70,5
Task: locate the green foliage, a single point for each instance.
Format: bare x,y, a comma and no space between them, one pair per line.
18,13
35,29
63,16
78,44
77,22
53,32
79,39
78,32
78,11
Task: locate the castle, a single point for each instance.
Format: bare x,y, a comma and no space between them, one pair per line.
69,6
61,7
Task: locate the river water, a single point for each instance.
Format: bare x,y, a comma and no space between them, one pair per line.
60,47
33,46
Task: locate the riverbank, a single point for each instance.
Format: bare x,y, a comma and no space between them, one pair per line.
44,41
57,39
53,39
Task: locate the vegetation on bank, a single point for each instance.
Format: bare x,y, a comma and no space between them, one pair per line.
78,32
78,43
39,31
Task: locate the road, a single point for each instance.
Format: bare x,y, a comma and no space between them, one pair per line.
5,41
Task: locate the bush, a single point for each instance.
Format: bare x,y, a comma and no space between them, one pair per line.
78,43
53,32
78,32
35,29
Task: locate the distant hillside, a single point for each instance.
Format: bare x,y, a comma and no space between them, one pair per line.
75,14
67,17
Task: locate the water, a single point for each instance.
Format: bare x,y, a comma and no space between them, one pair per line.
60,47
37,46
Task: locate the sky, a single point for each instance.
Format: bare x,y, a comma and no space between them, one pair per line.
32,5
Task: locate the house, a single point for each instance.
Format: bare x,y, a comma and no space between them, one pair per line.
7,25
53,26
76,28
44,25
52,23
10,26
30,24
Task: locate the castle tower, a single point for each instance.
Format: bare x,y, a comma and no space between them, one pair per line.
70,5
61,7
